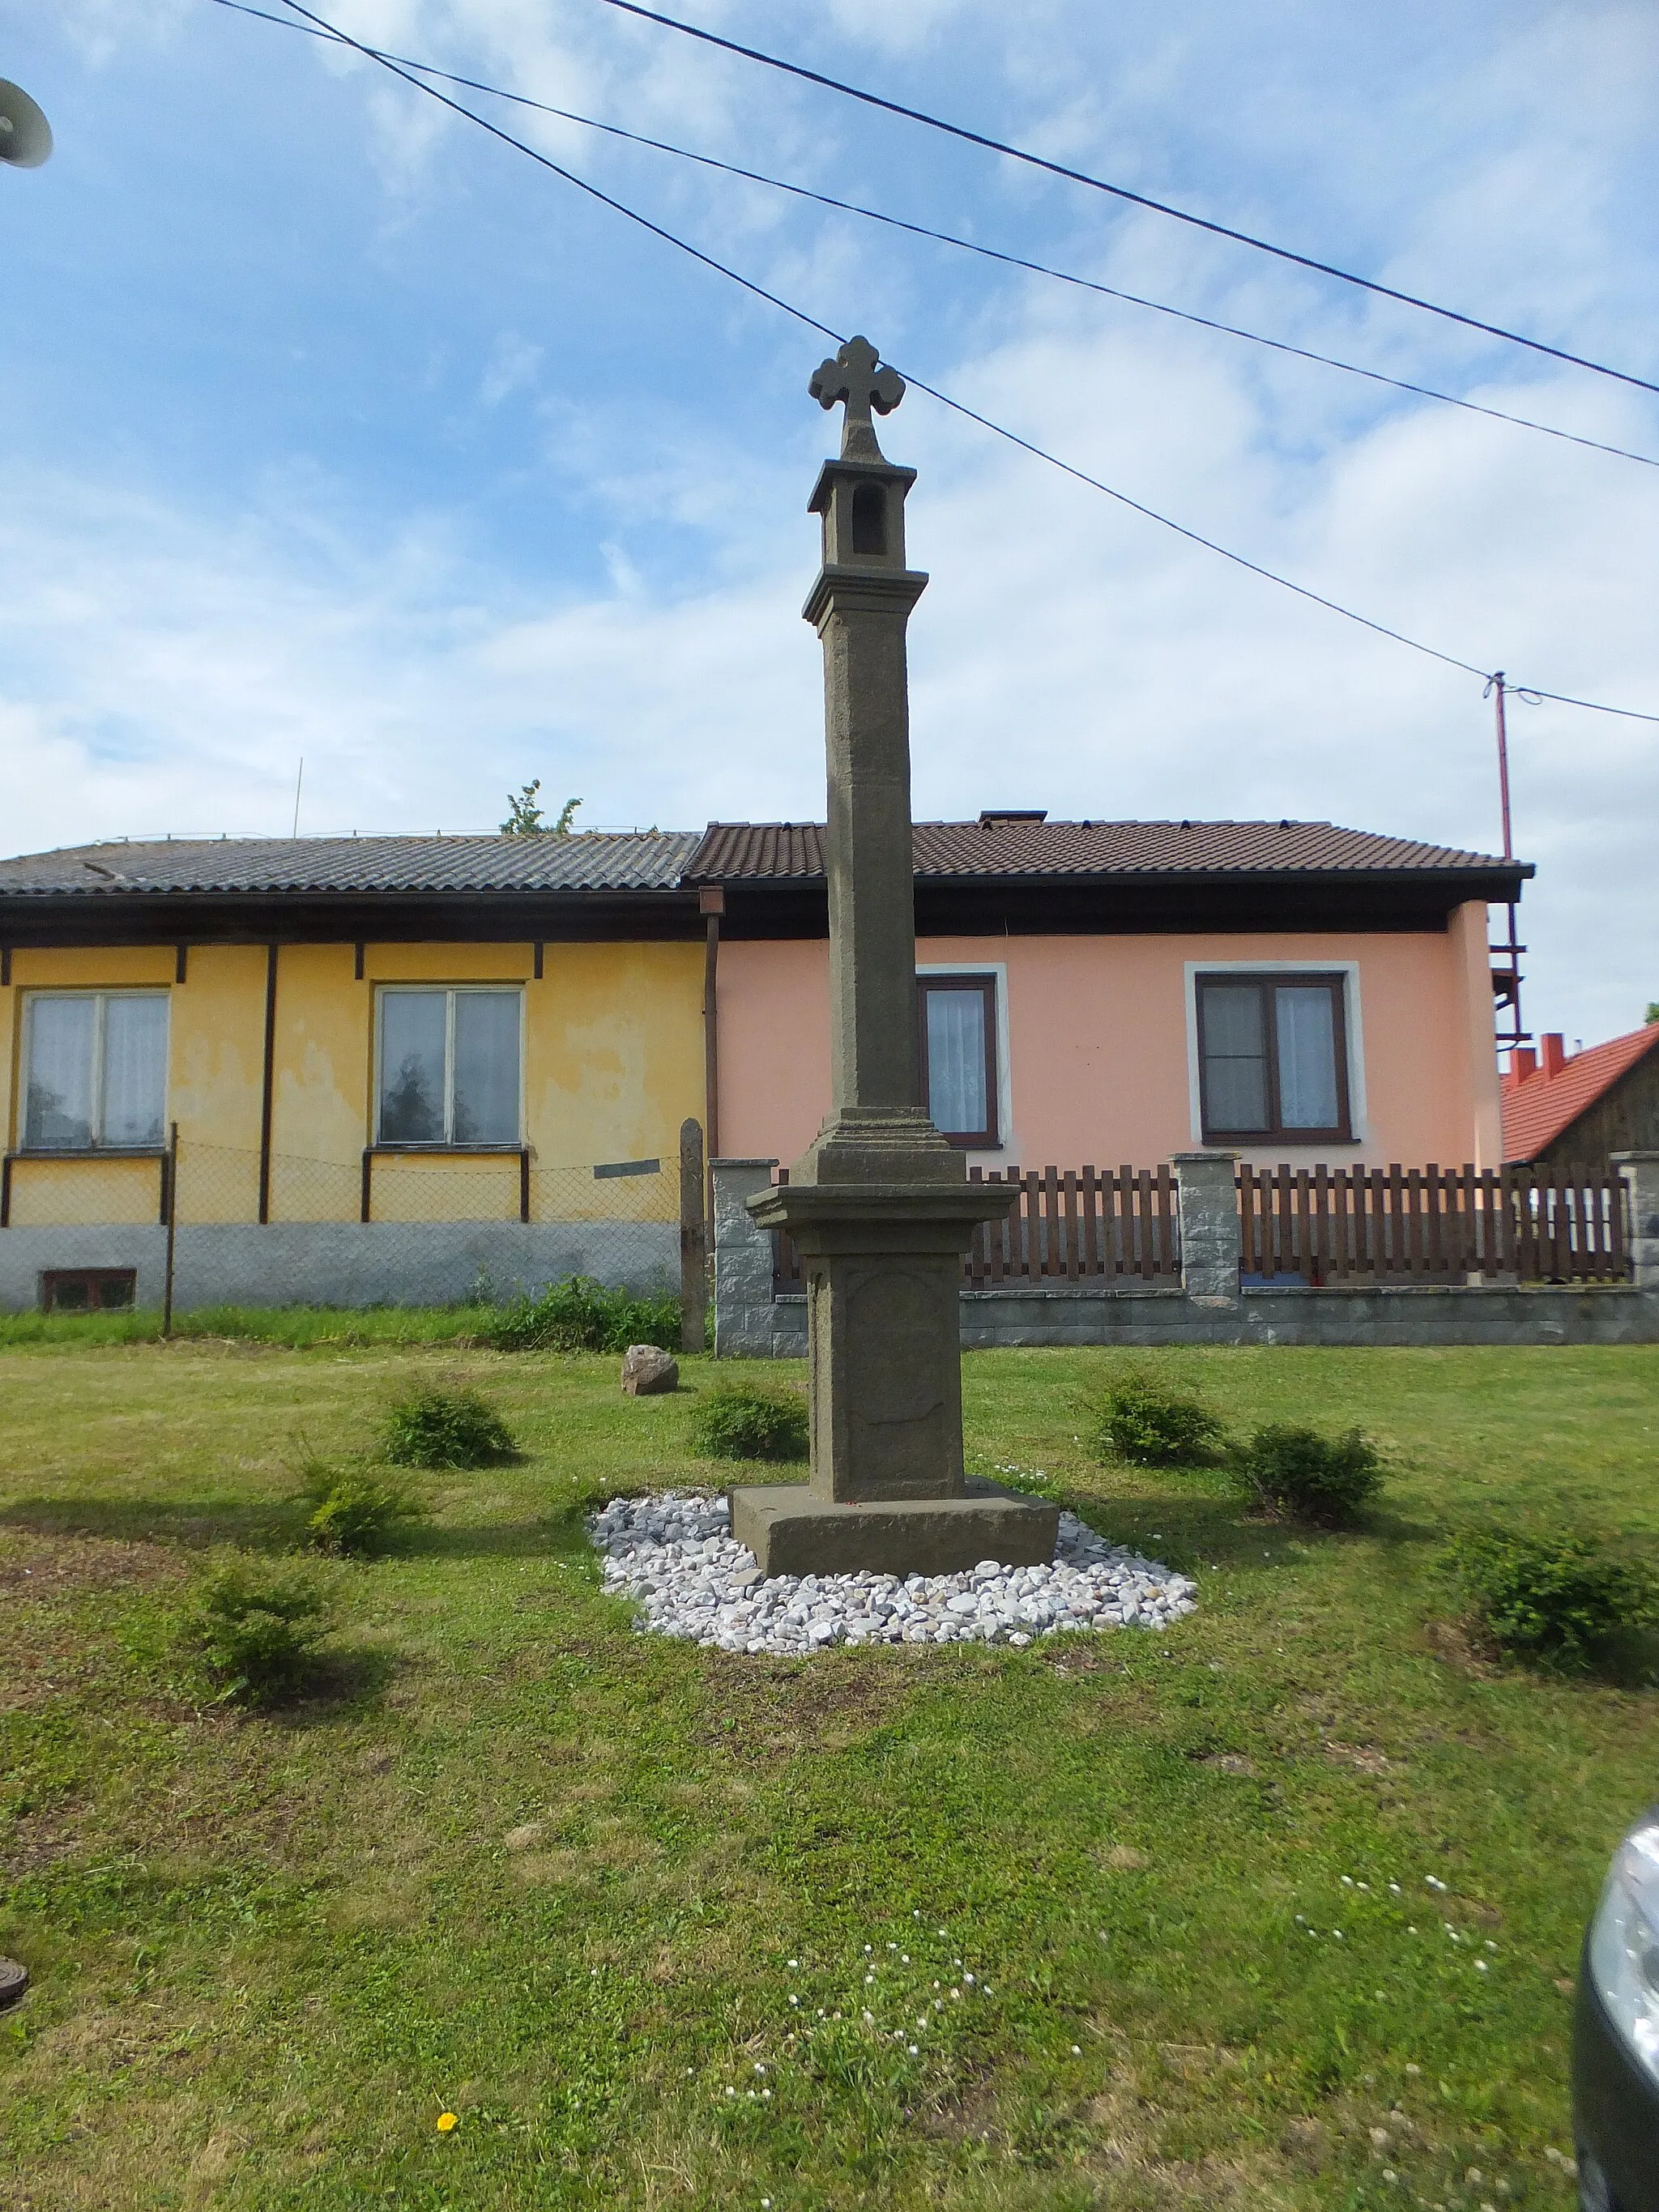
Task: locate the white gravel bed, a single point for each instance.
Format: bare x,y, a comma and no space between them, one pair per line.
675,1555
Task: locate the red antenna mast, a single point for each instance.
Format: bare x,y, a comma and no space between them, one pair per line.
1506,979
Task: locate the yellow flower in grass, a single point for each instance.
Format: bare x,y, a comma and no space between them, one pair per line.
445,2121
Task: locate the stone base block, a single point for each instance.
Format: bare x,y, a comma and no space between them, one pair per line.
793,1530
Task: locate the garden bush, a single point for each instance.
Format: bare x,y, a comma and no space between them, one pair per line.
1150,1426
1312,1477
356,1512
255,1624
736,1420
445,1428
581,1315
1552,1595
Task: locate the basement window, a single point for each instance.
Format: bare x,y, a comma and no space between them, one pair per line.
87,1290
95,1070
449,1066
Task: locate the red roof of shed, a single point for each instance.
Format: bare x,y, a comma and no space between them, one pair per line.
1537,1107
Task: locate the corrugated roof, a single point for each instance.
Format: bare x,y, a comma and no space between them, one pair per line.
592,860
785,850
1539,1107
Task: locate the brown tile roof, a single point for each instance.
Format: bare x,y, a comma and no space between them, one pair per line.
1537,1107
794,850
592,860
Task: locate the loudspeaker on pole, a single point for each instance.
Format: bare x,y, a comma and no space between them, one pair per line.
25,133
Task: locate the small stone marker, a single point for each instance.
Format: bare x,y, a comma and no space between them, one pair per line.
647,1372
13,1980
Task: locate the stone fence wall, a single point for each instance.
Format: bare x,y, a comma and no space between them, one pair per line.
1211,1306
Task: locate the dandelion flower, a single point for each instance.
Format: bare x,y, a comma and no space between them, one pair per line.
446,2121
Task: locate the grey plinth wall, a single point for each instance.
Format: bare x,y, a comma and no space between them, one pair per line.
345,1263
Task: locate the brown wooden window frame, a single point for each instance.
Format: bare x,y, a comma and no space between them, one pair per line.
988,1138
1268,982
106,1290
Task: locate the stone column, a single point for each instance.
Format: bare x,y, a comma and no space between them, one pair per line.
743,1261
1209,1228
1639,1172
880,1206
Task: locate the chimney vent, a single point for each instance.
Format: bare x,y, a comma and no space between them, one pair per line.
1555,1051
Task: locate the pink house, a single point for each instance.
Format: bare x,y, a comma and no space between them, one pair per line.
1119,992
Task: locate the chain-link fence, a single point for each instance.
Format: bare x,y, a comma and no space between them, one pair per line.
218,1224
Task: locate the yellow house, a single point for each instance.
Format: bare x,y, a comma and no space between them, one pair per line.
394,1065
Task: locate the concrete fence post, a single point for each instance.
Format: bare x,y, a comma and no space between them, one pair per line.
743,1261
1209,1229
1639,1172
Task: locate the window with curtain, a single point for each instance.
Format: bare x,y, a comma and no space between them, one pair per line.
449,1066
958,1042
96,1072
1273,1058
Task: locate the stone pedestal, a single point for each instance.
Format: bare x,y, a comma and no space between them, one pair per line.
884,1276
887,1493
791,1531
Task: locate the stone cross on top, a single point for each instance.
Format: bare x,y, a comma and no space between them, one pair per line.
855,376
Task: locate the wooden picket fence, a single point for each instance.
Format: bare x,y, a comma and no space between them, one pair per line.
1314,1226
1068,1225
1527,1223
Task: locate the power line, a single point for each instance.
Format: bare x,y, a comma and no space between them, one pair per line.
1122,192
812,322
948,238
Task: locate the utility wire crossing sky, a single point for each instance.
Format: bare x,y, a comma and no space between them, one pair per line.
939,237
1531,690
1121,193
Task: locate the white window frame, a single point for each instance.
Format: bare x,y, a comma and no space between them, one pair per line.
997,970
451,992
1359,1125
100,998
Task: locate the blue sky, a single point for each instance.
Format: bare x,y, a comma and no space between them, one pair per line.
333,428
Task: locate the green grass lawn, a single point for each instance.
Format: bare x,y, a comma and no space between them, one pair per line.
579,1888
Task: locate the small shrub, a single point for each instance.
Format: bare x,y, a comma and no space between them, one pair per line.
581,1315
1299,1472
1558,1598
445,1428
356,1512
256,1624
1149,1425
736,1420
